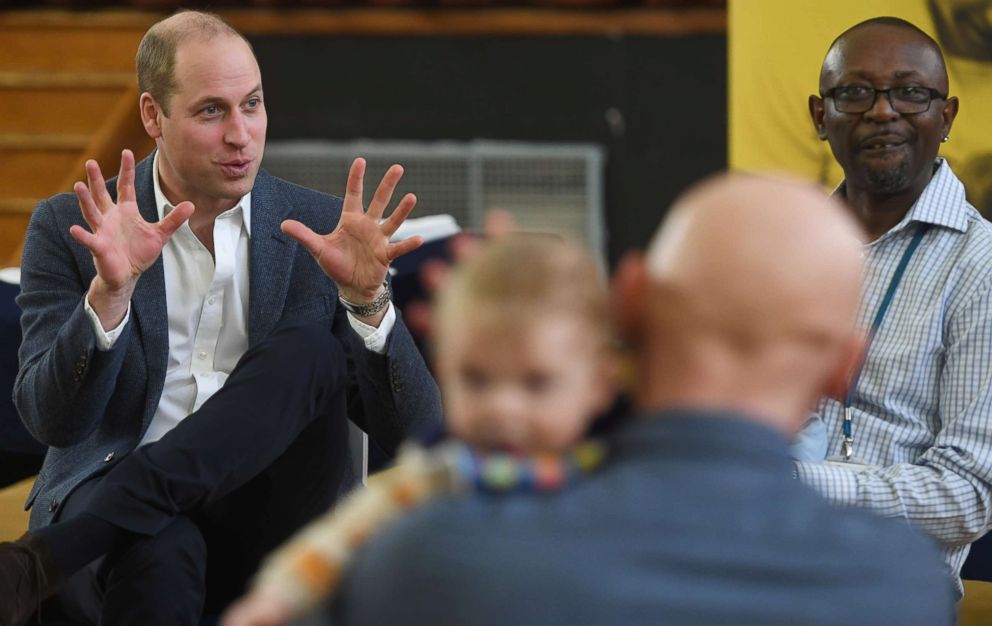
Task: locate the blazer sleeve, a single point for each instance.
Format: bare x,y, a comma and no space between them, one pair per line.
393,395
63,383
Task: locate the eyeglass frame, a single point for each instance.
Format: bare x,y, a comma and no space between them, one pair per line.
934,95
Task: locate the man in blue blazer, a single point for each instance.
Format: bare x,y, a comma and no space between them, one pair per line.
741,314
192,350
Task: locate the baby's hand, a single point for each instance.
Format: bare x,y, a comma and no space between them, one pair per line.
258,609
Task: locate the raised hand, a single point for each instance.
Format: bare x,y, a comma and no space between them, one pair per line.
356,255
122,243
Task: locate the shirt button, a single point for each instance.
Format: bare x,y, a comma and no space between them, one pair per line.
211,299
201,355
108,458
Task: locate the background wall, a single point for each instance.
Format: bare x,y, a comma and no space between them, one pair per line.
656,104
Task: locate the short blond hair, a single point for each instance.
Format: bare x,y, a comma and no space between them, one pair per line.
521,278
155,60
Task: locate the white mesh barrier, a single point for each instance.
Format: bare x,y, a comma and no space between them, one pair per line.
547,187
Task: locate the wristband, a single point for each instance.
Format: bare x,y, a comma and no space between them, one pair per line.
368,310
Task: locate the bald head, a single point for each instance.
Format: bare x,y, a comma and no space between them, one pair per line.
931,66
752,252
156,57
751,289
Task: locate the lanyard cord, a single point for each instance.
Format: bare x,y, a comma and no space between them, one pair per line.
848,426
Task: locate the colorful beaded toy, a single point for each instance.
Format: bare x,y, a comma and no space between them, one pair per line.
307,571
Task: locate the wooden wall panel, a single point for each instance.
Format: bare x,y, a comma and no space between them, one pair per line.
45,110
682,19
35,172
53,49
481,22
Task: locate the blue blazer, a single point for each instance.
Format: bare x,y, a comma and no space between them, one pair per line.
86,404
694,520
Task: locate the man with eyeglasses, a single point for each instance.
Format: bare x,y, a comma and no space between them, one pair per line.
911,437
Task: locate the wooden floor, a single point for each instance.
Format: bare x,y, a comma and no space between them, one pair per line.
976,609
13,519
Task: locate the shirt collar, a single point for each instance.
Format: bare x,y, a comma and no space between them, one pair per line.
163,206
939,204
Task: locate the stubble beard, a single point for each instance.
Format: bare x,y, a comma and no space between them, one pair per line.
890,179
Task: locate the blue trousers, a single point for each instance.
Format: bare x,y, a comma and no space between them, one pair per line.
204,504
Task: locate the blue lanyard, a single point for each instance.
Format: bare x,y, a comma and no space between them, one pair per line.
848,427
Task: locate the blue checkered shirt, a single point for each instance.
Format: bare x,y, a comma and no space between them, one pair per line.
922,410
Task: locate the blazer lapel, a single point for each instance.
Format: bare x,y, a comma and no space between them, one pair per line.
271,259
148,304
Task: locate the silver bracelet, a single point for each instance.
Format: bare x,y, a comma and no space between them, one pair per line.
368,310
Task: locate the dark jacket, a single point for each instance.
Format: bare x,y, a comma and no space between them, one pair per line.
694,520
86,404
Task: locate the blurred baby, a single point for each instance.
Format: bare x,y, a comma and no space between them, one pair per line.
524,353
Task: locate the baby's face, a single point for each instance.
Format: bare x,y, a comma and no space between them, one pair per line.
532,386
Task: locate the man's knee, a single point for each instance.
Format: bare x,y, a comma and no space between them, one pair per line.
162,575
159,579
179,552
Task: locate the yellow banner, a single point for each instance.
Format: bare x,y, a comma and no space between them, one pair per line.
775,51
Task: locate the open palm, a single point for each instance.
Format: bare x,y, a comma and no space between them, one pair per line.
357,253
122,243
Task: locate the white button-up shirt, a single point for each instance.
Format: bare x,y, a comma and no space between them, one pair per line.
922,404
207,301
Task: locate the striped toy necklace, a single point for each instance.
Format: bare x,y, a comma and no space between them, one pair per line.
308,569
503,472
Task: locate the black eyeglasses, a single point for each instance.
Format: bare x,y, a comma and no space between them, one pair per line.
858,99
